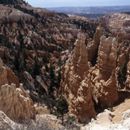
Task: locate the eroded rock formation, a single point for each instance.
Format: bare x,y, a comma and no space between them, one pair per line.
93,45
84,85
103,75
107,56
7,76
16,103
14,100
76,91
104,92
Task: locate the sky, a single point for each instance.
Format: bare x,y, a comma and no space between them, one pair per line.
76,3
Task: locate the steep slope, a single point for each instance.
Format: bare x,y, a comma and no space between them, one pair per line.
35,41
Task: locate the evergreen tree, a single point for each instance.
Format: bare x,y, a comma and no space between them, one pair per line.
59,76
52,79
20,61
62,107
122,74
36,68
16,61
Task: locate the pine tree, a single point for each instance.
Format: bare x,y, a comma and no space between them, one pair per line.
62,107
36,68
52,79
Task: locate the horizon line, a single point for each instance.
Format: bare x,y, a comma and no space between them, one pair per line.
86,6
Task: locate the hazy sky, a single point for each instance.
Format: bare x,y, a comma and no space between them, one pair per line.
64,3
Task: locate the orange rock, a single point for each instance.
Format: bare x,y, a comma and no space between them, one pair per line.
94,45
16,103
12,78
103,77
107,56
7,76
78,93
81,84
